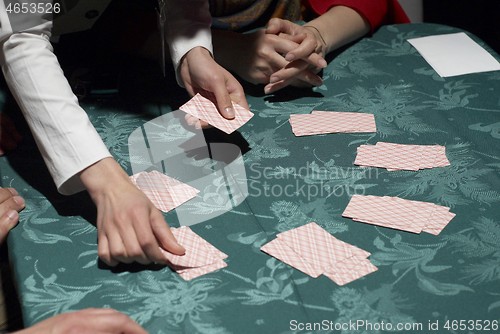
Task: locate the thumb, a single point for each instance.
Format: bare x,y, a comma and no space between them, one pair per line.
276,26
223,101
164,236
7,222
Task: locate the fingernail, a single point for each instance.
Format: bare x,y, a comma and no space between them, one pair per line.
273,79
323,63
289,57
19,200
267,90
12,215
229,111
13,191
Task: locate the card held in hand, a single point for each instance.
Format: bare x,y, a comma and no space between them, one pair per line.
201,257
205,110
166,193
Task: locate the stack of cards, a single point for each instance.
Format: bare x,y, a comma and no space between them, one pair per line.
164,192
201,257
322,122
205,110
314,251
401,157
398,213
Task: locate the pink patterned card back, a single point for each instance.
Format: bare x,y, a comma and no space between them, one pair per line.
280,250
317,246
191,273
323,122
350,270
199,252
401,156
205,110
164,192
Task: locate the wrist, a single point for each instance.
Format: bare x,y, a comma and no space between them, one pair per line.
104,174
322,46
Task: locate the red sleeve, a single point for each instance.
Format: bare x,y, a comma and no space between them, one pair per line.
376,12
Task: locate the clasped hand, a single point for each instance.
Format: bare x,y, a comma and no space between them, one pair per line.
283,54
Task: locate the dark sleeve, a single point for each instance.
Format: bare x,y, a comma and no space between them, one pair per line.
375,12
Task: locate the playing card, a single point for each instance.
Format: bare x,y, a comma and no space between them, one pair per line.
401,156
349,270
164,192
189,274
199,252
318,247
201,257
440,218
398,213
280,250
323,122
314,251
382,211
205,110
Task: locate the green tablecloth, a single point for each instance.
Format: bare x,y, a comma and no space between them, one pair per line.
421,279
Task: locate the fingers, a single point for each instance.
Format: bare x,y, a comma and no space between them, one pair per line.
138,240
306,40
301,80
195,122
111,321
7,222
91,320
164,235
306,50
276,26
297,69
236,91
223,100
104,251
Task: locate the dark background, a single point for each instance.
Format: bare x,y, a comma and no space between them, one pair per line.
480,17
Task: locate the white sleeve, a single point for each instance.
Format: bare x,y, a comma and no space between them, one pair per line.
62,130
187,26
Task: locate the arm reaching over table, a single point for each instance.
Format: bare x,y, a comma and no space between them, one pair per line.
129,227
189,38
91,321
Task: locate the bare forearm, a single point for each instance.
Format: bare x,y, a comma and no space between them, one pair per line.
339,26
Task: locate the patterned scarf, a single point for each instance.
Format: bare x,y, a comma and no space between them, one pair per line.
249,14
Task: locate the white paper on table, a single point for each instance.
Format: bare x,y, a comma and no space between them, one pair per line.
454,54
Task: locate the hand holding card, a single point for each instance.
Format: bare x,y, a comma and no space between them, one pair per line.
205,110
200,258
164,192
